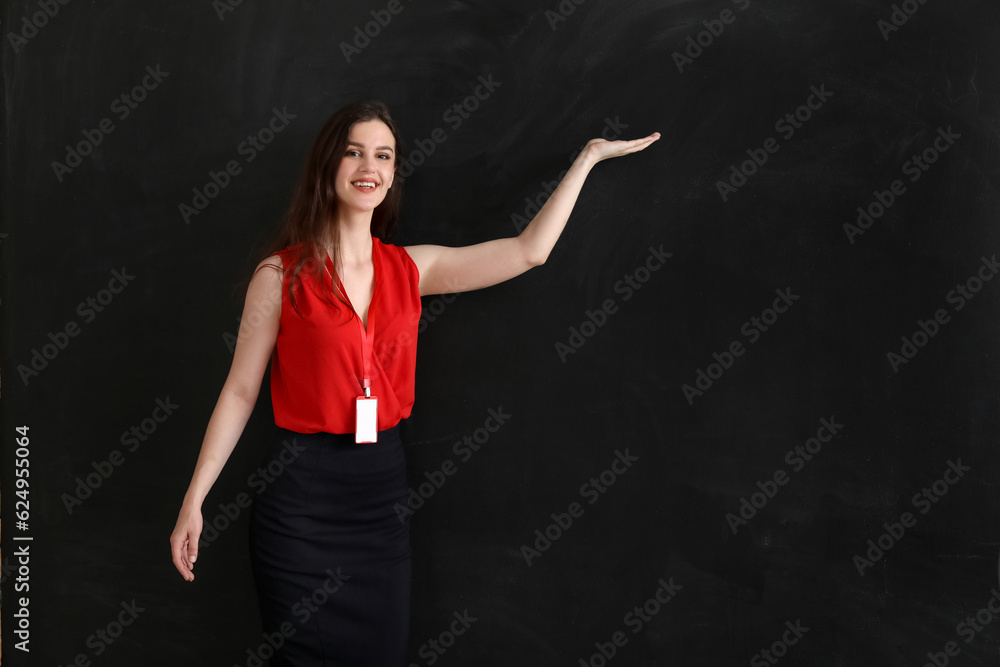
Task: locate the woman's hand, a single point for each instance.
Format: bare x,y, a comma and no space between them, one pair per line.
446,270
184,540
602,149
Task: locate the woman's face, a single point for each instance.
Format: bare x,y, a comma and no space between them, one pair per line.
366,168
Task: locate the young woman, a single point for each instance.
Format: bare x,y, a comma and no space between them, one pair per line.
335,312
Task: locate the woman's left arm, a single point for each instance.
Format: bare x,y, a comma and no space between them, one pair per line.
445,270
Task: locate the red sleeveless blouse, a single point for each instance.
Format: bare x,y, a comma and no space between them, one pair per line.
316,369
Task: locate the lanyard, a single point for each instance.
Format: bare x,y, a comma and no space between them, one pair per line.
366,348
367,335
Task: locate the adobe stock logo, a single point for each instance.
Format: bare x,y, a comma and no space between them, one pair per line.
713,29
48,9
635,620
753,329
627,286
914,168
797,457
786,126
249,149
303,611
899,17
923,501
968,628
230,512
103,637
926,330
779,649
87,309
221,7
431,650
463,449
562,12
592,490
363,36
122,107
131,440
455,116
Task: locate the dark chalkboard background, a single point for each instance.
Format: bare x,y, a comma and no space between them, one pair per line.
561,73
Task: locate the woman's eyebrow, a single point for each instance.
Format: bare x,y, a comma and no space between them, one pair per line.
378,148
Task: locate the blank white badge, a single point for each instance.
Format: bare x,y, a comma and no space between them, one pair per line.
366,424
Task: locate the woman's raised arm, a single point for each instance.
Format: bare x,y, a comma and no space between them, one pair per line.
444,270
258,332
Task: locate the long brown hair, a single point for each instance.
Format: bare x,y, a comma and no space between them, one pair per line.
311,216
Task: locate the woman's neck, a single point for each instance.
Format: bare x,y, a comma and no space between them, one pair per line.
355,240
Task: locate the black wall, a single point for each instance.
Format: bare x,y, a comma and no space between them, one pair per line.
589,369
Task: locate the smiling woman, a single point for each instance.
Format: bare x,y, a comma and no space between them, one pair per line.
335,289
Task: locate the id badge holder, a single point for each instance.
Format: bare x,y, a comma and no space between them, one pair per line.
366,418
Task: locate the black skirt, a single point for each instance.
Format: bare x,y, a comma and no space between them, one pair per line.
330,550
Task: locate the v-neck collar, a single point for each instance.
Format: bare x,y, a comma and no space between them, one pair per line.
343,290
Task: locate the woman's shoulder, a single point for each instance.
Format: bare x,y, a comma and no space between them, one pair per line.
403,268
274,260
390,247
398,252
287,255
290,249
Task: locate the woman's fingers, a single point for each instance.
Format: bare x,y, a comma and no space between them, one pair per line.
179,552
184,545
603,149
181,560
636,145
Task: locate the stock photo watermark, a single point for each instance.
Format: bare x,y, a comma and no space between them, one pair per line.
714,28
22,584
248,149
779,649
122,107
752,329
926,330
901,14
131,440
432,650
455,116
59,341
797,458
31,24
562,12
635,620
591,491
626,286
968,629
302,610
364,34
223,7
103,637
786,126
918,165
922,501
230,512
464,450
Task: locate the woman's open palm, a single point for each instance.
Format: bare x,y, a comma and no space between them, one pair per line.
602,149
